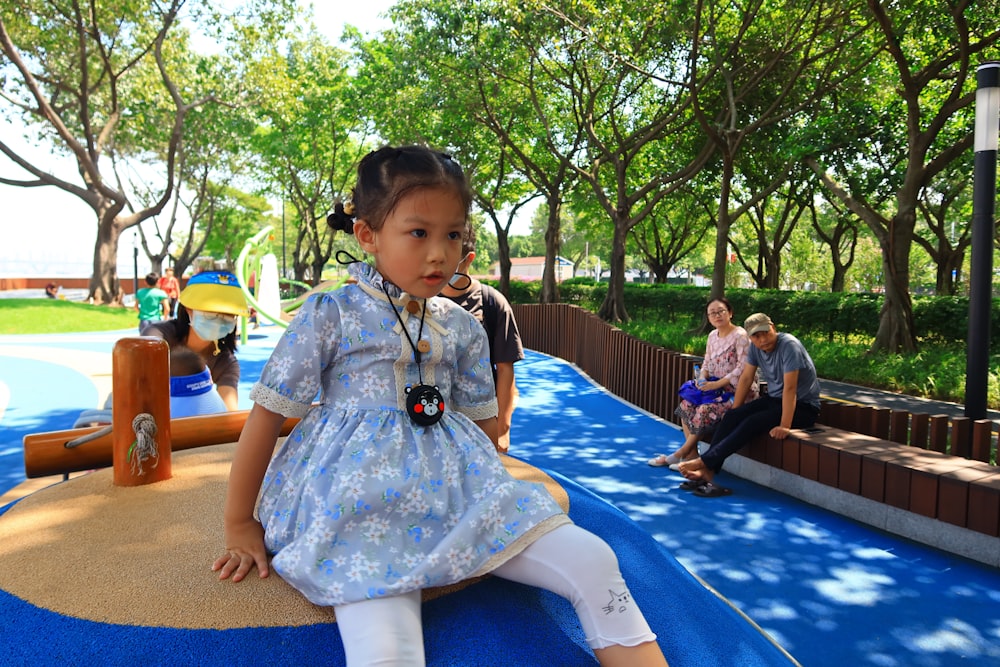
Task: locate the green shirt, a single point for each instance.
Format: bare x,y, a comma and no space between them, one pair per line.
150,301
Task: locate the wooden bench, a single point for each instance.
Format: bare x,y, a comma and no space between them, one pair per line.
953,489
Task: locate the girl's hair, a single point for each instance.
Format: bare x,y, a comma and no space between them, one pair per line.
723,300
387,175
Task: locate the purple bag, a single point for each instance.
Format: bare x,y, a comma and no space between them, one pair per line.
690,392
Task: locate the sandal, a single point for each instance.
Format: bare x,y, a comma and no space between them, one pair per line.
710,490
661,460
693,484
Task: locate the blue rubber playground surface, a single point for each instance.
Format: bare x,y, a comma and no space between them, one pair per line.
828,590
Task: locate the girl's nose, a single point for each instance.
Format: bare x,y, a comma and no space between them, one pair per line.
437,252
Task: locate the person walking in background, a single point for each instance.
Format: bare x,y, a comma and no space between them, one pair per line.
720,372
792,401
169,284
388,485
151,302
493,311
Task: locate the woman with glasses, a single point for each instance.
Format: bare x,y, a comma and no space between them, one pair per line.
206,323
725,356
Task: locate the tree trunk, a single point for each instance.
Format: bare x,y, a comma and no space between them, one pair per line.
839,278
550,288
105,287
316,269
723,224
895,330
503,245
949,263
613,308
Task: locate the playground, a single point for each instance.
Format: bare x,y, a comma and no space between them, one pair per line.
95,573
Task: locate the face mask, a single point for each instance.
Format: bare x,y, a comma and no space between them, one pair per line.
212,326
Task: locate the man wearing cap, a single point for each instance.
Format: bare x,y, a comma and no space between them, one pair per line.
206,323
792,401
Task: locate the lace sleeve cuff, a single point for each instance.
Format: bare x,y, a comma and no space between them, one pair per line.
268,398
480,412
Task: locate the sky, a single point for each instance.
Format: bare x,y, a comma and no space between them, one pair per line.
47,232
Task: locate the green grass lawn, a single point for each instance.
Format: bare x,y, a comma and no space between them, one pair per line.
39,316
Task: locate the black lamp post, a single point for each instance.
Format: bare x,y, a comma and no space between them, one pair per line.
283,273
984,189
135,264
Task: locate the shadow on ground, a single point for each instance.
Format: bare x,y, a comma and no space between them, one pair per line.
830,590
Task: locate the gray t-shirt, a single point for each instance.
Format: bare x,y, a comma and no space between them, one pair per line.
788,355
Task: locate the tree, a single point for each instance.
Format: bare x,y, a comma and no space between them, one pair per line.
673,231
760,68
838,229
929,50
73,73
944,203
773,219
423,82
627,77
309,138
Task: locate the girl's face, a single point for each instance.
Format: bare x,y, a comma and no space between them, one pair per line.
419,246
718,314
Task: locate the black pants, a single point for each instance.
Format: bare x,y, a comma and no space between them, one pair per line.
741,425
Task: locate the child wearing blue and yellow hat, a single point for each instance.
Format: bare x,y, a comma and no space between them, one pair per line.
206,323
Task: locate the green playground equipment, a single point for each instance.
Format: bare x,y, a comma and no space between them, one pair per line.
248,263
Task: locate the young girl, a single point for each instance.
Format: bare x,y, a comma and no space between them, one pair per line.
391,483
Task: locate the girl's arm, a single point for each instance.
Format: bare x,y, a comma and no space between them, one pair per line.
244,534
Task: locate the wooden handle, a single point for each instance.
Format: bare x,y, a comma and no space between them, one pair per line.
140,377
46,453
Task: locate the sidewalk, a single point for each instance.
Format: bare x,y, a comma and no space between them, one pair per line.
850,393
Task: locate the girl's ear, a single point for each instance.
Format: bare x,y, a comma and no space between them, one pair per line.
365,236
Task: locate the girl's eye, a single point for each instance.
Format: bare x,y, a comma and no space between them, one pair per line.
418,233
455,236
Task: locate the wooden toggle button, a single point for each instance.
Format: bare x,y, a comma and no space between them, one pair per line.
413,307
424,346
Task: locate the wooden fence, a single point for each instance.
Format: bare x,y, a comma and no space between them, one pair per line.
648,376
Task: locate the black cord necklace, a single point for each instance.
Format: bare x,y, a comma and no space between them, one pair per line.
424,403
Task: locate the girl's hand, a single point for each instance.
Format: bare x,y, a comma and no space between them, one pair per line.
245,548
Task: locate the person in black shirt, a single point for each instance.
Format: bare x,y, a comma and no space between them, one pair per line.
490,307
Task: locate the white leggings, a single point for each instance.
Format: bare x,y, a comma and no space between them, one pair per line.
568,561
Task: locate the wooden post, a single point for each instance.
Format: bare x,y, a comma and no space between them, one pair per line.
140,380
982,440
939,433
961,441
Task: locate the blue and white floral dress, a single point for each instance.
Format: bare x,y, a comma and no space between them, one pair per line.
361,502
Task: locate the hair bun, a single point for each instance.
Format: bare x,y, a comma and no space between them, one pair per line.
342,218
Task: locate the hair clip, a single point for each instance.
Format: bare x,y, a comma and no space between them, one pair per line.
342,219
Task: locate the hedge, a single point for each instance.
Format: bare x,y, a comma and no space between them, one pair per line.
834,315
